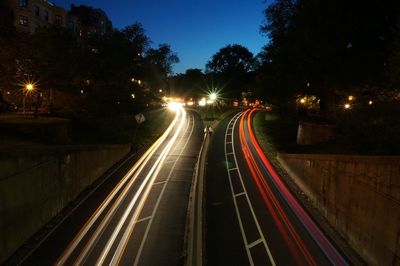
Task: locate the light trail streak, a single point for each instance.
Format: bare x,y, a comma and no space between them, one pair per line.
269,198
231,128
150,178
135,171
136,262
326,246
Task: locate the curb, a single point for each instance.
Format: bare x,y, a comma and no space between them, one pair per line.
195,214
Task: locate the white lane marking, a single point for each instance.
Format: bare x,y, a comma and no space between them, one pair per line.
235,119
240,194
234,199
232,169
255,243
252,211
143,219
160,197
150,180
159,183
95,236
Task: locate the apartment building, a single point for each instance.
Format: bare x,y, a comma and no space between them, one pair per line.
31,15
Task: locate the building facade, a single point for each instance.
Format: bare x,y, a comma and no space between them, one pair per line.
31,15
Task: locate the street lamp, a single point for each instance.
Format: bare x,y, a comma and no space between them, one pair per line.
213,96
28,88
211,99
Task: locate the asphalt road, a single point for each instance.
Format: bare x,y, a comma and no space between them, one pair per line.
137,215
251,217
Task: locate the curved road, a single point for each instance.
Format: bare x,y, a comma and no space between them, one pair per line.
252,217
137,216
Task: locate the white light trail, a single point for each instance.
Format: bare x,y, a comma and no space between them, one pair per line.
138,166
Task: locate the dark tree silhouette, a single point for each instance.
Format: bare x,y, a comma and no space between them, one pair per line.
231,68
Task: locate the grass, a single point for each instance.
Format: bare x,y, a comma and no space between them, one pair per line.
29,119
156,122
275,132
27,131
121,129
209,114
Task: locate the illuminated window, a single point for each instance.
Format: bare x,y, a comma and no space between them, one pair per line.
23,3
23,20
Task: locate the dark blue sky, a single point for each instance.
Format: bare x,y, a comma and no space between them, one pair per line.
195,29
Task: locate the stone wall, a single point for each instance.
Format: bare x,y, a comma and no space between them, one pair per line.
360,197
36,184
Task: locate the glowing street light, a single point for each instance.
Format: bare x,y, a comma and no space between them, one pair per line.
347,106
28,88
213,96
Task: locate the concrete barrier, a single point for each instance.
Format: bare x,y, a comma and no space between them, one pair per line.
36,184
314,133
359,196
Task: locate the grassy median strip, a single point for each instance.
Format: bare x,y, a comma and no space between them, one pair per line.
275,133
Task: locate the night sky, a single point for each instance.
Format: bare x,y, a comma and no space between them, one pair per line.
195,29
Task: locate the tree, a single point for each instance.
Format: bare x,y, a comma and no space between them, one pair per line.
231,58
158,66
135,33
231,69
338,44
190,84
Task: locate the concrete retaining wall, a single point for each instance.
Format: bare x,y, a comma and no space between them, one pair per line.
36,185
360,197
311,133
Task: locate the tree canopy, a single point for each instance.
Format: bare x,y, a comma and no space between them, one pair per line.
100,72
319,47
231,69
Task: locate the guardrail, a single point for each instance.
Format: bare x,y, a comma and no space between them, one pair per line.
194,226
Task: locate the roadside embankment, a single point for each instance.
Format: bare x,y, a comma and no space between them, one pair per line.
354,198
358,195
36,185
38,180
